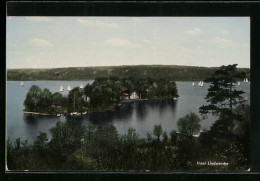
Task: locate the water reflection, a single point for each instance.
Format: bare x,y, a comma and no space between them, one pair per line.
100,118
126,111
141,115
147,107
34,118
123,113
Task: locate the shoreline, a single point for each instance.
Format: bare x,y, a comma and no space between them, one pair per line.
37,113
88,112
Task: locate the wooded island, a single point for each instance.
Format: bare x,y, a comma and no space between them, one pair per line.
103,94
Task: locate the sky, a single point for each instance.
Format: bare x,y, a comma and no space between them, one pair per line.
52,42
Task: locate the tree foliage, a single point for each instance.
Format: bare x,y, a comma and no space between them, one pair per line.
74,146
66,137
157,131
222,96
189,124
41,141
76,101
33,98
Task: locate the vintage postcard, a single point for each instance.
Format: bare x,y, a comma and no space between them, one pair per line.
124,94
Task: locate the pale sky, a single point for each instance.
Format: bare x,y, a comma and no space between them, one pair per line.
51,42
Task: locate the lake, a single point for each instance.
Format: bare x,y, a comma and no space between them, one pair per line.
139,115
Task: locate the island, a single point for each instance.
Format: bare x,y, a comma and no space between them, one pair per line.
105,93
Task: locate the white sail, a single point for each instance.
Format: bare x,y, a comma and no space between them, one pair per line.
192,83
81,86
201,84
21,84
69,88
246,80
238,83
61,88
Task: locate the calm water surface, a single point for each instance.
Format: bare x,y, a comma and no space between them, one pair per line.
140,115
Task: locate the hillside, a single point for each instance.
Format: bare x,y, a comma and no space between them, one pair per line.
172,72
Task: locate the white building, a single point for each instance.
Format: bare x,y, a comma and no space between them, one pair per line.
134,95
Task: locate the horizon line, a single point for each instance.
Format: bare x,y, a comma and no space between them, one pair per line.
124,65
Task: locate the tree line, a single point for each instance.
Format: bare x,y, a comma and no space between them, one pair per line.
171,72
103,94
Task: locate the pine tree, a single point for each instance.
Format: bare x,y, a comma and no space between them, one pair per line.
222,94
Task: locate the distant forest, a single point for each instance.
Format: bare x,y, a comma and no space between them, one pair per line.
170,72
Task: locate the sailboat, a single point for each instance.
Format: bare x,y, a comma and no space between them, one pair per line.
238,83
61,88
81,86
246,80
192,84
201,85
69,88
21,84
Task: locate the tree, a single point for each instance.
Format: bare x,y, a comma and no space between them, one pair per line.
57,98
66,137
221,127
189,124
172,89
88,90
149,137
160,87
76,100
33,98
41,141
173,135
46,98
242,121
157,131
128,84
131,136
222,96
165,136
117,89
